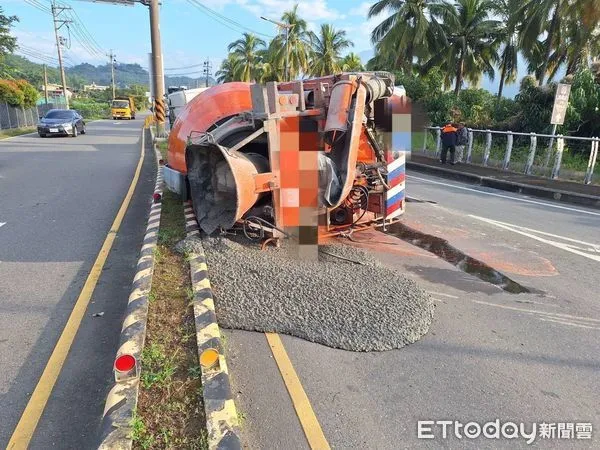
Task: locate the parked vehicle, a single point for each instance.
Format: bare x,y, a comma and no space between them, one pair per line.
177,101
123,108
61,122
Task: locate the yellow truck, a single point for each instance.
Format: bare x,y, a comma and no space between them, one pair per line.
123,108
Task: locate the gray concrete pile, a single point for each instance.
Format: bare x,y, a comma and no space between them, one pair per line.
333,301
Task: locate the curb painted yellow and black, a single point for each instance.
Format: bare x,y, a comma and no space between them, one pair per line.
221,414
121,401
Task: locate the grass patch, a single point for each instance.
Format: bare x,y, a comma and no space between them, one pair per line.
170,409
162,148
11,132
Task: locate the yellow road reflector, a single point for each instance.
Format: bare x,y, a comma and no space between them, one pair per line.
209,358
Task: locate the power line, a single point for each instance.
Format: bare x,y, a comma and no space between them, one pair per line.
223,20
85,33
36,4
175,75
186,67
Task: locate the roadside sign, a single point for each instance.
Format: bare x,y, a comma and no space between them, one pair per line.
561,101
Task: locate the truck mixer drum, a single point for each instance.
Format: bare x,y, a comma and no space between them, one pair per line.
223,184
251,150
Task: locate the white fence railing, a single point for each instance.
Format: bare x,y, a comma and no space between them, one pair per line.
504,152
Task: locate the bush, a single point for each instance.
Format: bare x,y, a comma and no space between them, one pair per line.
10,93
91,109
30,94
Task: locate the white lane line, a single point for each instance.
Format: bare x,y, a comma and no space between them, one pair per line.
544,314
551,205
567,247
571,324
2,224
442,294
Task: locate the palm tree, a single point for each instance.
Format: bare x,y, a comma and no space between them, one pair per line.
352,63
404,33
246,50
228,69
536,23
326,49
468,46
577,38
505,9
298,49
270,68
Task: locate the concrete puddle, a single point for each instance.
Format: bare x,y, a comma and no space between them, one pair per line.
442,248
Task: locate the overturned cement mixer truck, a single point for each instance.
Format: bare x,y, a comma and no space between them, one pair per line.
324,155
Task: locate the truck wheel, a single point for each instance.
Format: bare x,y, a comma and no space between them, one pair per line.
114,118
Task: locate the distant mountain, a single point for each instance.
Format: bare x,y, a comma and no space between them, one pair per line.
82,74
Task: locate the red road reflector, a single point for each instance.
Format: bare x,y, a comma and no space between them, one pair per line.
157,197
125,367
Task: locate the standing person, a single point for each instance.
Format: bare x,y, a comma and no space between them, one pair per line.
462,138
448,142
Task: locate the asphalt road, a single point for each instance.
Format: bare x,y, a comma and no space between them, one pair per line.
59,197
490,354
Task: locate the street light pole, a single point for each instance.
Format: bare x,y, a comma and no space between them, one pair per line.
287,27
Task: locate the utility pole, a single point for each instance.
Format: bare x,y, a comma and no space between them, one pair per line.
45,84
287,27
157,68
207,70
56,10
112,57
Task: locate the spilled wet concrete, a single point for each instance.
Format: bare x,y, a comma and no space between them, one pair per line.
346,299
443,249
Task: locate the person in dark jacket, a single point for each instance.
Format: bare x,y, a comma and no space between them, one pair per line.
449,137
462,139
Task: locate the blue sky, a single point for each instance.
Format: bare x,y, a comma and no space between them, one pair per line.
189,35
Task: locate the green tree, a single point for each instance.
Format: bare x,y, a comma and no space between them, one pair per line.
578,39
509,39
352,63
246,50
8,43
298,49
468,47
327,47
228,69
404,34
540,17
583,113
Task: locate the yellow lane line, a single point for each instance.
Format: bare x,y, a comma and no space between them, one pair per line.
308,419
35,407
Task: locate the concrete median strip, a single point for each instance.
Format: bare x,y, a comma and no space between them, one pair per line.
121,401
221,415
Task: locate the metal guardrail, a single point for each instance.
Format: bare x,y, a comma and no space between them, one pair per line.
555,140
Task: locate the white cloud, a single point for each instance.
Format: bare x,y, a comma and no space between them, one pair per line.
360,10
315,9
